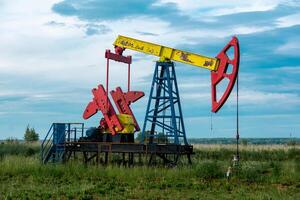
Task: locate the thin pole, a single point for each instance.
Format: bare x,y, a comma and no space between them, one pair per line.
237,119
211,124
128,77
107,79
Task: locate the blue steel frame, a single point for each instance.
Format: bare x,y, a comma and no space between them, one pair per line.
164,112
53,145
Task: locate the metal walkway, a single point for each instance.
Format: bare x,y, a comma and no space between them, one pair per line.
63,143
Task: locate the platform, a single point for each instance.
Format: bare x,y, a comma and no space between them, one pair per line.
64,142
129,152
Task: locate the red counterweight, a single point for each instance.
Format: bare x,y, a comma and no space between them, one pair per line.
123,101
101,102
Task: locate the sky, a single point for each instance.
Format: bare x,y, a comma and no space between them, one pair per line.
52,55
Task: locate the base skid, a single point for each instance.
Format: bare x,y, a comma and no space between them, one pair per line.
127,153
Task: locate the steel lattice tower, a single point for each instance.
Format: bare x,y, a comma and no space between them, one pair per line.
164,120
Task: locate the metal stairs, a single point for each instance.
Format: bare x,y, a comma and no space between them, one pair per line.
59,134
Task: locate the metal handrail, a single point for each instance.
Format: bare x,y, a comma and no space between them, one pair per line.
47,134
46,145
72,131
48,149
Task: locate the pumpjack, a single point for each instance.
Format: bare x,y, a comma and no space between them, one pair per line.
164,109
163,133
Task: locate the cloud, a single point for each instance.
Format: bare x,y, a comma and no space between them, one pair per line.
96,29
147,33
288,21
268,98
290,48
32,96
244,17
241,30
249,98
54,23
89,28
52,54
243,7
295,70
226,7
110,9
250,125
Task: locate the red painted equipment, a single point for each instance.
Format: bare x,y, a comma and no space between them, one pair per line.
118,56
123,101
217,65
221,73
101,102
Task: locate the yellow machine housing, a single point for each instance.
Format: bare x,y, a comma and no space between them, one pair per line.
127,122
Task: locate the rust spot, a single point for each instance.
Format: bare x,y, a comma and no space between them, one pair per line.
208,63
151,51
184,57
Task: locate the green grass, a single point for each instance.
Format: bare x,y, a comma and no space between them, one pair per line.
248,154
23,177
22,149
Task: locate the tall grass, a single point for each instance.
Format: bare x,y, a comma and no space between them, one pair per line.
248,154
23,177
22,149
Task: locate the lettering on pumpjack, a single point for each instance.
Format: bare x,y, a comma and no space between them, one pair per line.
167,53
184,57
139,47
126,43
208,63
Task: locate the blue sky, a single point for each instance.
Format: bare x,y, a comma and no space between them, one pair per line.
52,55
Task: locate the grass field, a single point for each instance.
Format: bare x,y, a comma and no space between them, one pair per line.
265,172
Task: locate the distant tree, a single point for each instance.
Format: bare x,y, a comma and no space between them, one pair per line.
30,135
11,140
